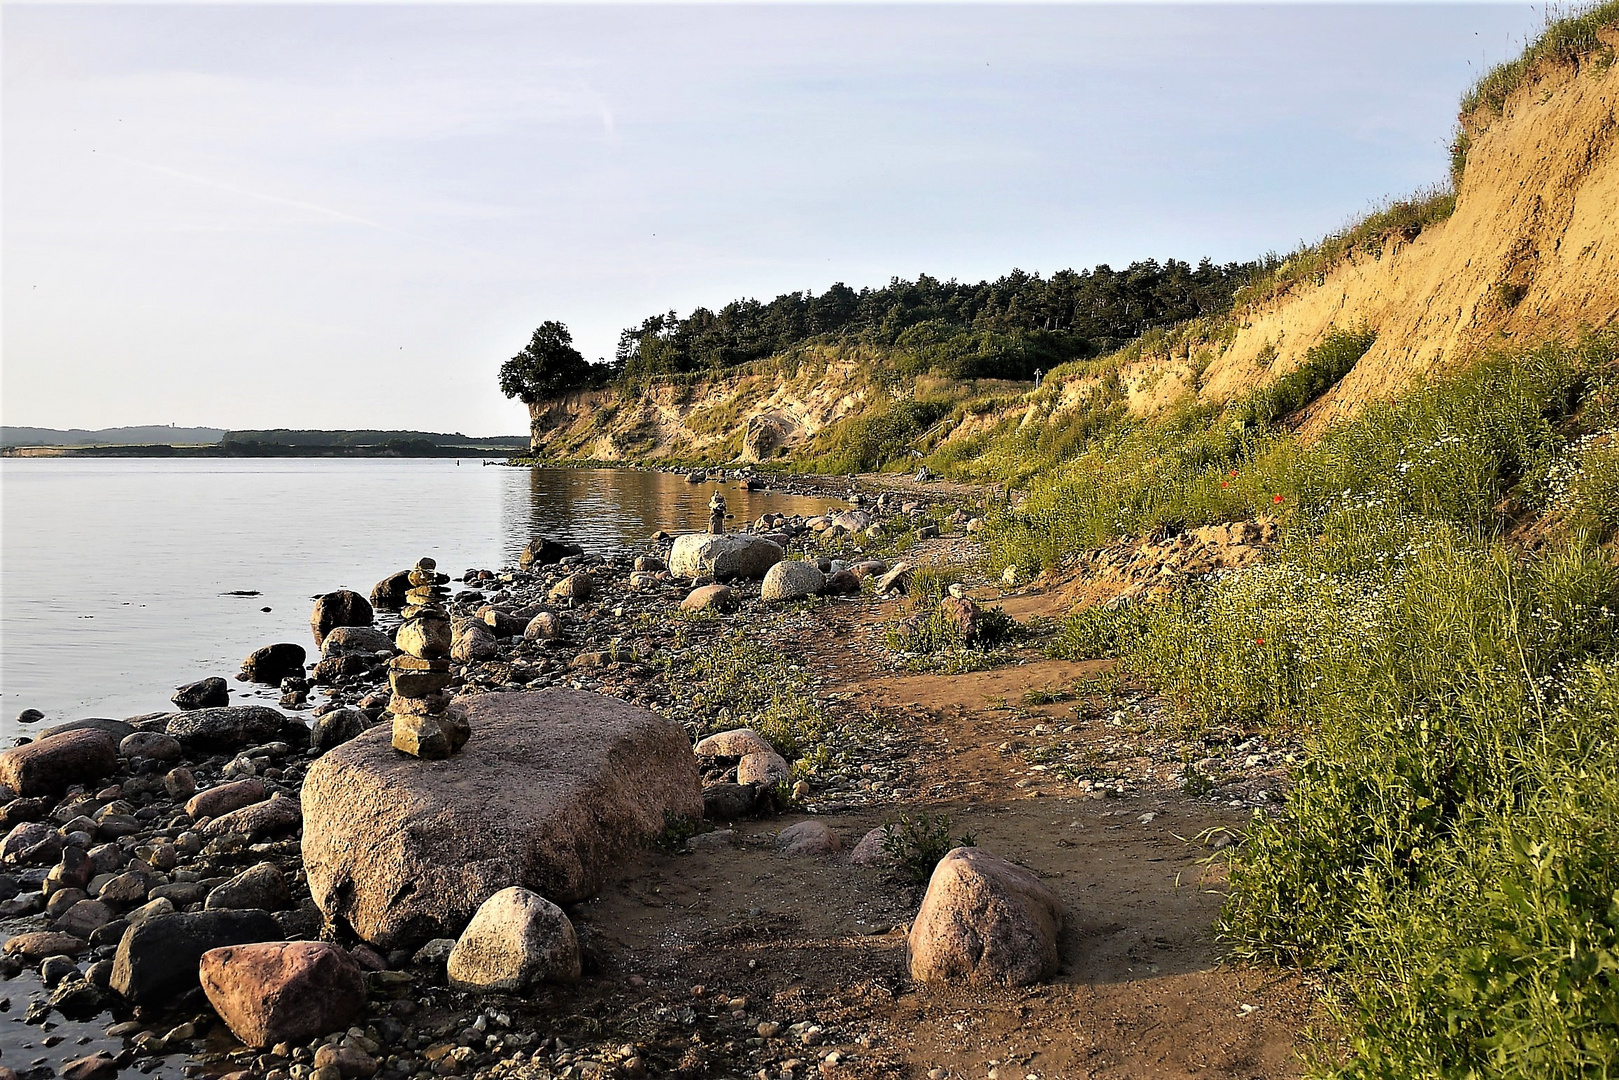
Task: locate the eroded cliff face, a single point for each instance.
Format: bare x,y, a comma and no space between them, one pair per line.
1531,252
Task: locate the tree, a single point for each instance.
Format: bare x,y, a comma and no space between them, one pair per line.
548,368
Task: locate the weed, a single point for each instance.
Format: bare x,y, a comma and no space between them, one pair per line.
917,844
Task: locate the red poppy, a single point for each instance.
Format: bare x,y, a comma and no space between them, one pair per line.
1225,483
1233,472
1276,498
1259,641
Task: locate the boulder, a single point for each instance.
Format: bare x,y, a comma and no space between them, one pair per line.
203,694
153,745
272,663
274,992
363,641
262,886
336,728
31,842
55,762
697,555
650,564
543,551
545,626
765,435
216,801
117,730
738,742
554,787
85,918
473,641
517,939
791,580
986,922
277,814
389,593
42,943
229,729
841,583
157,960
578,586
705,597
503,624
764,769
870,851
808,838
345,607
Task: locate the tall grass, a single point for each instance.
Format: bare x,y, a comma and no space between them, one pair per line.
1450,849
1568,40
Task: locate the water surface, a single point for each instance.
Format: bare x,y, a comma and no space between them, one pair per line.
117,575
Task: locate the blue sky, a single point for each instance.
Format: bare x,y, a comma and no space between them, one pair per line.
313,216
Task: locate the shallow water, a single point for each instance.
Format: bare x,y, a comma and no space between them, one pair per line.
117,575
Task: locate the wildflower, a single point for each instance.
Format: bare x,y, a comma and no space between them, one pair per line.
1275,498
1225,483
1259,641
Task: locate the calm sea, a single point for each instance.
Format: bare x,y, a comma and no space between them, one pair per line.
118,577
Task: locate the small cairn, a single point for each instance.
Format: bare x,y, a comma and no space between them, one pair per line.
425,724
716,514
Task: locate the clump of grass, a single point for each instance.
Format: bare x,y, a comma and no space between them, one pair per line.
1569,40
1323,366
916,844
735,682
928,624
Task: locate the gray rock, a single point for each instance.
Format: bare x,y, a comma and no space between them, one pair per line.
157,961
272,663
362,641
345,607
336,728
389,593
727,802
791,580
545,626
764,769
206,693
578,586
553,789
473,641
697,555
229,729
262,886
153,745
517,939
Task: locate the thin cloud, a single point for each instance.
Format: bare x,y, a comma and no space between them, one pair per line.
262,196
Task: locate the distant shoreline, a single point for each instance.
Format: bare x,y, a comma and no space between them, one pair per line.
259,450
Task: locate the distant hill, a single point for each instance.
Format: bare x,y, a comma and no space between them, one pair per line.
117,436
312,437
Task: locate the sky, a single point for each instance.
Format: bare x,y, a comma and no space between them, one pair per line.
349,216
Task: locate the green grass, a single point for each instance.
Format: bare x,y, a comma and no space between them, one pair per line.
1569,40
1449,853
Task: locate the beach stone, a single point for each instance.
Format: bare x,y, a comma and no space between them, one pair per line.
262,886
203,694
85,918
275,992
349,1062
557,786
841,583
543,551
73,872
277,814
502,624
808,838
574,587
869,568
791,580
43,943
31,842
738,742
180,783
97,1066
517,938
427,636
546,626
272,663
764,769
124,890
704,597
430,736
54,762
362,641
650,564
30,716
897,580
336,728
389,593
727,802
226,730
869,851
116,730
216,801
344,607
153,745
697,555
473,641
157,960
984,921
962,615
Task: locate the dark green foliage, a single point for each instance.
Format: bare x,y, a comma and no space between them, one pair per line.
1324,365
995,329
917,844
549,367
868,441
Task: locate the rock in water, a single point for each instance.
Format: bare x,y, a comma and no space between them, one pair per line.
58,761
791,580
276,992
272,663
344,607
389,593
157,960
542,551
203,694
228,729
557,785
986,922
698,555
362,641
517,938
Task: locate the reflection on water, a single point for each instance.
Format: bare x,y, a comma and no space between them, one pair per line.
116,575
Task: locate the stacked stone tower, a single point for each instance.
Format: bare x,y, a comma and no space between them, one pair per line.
425,724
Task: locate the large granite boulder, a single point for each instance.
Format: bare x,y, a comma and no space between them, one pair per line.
226,730
157,959
273,992
553,787
791,579
345,607
985,922
697,555
58,761
272,663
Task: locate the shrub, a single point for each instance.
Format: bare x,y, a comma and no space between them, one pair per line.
917,844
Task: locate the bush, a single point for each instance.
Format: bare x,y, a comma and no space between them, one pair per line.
917,844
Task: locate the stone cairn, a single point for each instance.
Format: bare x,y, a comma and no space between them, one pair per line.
716,514
425,724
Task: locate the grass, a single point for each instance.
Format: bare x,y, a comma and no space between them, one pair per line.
1568,40
1450,850
917,844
